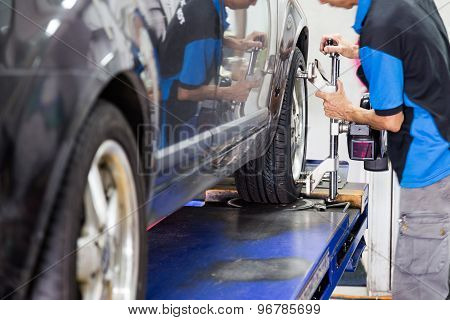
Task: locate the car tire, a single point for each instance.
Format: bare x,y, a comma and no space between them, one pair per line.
272,177
95,244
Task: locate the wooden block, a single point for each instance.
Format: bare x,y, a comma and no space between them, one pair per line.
355,193
221,194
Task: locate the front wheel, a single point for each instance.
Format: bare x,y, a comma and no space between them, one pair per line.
272,177
96,245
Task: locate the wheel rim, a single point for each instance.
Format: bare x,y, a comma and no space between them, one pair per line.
298,128
108,246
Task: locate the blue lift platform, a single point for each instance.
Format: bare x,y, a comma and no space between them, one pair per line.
258,252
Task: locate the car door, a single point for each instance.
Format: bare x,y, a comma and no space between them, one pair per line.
238,118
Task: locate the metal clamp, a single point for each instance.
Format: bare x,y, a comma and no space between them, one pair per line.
312,179
316,76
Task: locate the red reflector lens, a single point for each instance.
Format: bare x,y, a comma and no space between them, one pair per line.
362,150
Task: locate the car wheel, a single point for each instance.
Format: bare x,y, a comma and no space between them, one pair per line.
95,247
272,177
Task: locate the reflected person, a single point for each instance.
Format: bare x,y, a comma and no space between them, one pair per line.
190,58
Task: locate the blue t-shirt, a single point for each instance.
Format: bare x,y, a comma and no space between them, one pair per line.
407,67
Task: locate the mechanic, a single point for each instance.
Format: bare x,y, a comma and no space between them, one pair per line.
405,55
190,57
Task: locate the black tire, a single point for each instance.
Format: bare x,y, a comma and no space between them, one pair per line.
269,179
55,277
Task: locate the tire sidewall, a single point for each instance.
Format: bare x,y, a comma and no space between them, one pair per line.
288,103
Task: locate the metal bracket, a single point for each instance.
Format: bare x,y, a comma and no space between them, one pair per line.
312,179
316,76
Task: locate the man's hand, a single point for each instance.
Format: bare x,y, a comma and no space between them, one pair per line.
239,91
344,48
336,105
253,40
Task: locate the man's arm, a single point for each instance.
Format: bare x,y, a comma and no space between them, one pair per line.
253,40
198,94
384,72
238,92
343,47
337,106
369,117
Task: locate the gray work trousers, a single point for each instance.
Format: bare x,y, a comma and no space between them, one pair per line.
422,259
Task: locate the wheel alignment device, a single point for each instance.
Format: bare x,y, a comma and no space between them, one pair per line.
364,144
316,75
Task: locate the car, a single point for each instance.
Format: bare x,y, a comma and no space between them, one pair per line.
116,113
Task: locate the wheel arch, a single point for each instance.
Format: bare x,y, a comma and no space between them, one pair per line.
303,42
128,94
